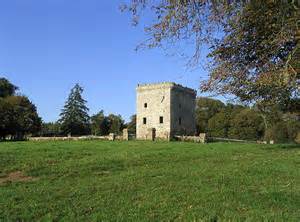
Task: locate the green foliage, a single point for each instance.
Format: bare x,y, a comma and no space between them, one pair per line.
99,124
218,125
241,122
254,64
116,123
6,118
283,131
146,181
246,125
103,125
50,129
18,116
7,88
236,122
206,108
256,56
74,118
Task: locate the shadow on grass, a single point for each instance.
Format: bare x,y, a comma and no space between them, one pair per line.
282,146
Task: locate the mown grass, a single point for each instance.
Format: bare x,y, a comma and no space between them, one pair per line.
145,181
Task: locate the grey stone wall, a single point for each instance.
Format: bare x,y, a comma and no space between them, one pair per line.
183,102
158,100
170,102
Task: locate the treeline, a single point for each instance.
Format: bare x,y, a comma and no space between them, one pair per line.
75,120
99,125
246,123
19,118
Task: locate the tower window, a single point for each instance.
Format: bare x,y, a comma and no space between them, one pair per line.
161,119
144,120
179,120
145,105
179,105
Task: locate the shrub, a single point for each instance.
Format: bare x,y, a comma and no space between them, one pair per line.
246,125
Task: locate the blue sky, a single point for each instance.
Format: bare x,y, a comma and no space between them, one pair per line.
46,46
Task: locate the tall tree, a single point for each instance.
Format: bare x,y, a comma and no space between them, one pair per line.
24,118
254,44
18,115
252,60
74,117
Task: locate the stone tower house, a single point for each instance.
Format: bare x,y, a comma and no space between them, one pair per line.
165,110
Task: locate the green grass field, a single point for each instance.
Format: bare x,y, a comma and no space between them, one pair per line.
145,181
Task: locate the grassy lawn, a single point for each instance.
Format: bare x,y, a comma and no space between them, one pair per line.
145,181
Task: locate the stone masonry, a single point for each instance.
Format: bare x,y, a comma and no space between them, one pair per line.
168,109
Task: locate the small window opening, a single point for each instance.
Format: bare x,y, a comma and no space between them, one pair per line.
179,106
179,120
144,120
161,119
145,105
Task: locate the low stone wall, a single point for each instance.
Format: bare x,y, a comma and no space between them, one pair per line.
68,138
202,138
111,137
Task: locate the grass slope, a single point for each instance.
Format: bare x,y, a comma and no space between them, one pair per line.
145,181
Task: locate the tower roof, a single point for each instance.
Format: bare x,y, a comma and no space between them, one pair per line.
165,85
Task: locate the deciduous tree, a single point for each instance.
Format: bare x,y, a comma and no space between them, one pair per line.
254,44
246,125
18,115
7,88
116,123
206,108
99,124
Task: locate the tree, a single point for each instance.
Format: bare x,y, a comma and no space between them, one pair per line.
116,123
74,118
254,44
221,123
252,60
218,125
206,108
246,125
50,129
7,88
284,126
20,117
99,124
284,131
5,118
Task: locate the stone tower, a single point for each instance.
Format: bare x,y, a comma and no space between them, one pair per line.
165,110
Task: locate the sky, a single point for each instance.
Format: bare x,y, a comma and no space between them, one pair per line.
47,46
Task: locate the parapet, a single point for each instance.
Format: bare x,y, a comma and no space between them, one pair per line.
163,85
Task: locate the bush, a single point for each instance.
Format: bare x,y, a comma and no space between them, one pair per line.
284,131
246,125
218,125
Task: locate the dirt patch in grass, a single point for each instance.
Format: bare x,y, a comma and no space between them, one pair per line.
17,176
